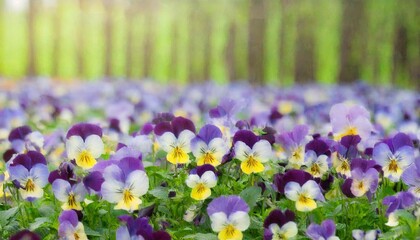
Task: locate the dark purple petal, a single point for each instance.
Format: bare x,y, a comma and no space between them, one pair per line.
7,155
162,128
319,146
163,117
362,164
278,217
65,172
84,130
25,235
180,124
19,133
350,140
217,112
401,140
147,211
140,227
268,235
346,188
294,175
94,181
36,157
209,132
200,170
161,235
329,228
130,164
125,218
246,136
392,202
407,199
269,135
146,129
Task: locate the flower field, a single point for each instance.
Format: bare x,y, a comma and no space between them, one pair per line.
139,160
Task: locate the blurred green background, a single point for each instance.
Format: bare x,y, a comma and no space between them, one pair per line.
179,41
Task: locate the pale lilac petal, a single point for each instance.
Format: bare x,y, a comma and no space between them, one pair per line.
312,189
405,156
123,234
292,190
262,150
18,172
40,174
61,189
381,153
138,182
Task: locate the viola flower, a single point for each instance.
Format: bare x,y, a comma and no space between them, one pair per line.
350,120
30,173
124,183
304,195
201,180
25,235
279,225
141,144
3,177
394,155
139,228
10,118
317,166
365,235
229,217
364,178
294,175
401,200
325,231
251,152
346,150
65,172
294,144
71,196
175,138
209,147
70,227
23,139
411,177
84,144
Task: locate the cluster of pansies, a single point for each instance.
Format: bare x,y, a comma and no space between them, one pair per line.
140,161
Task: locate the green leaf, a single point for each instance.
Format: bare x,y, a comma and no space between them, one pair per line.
159,192
201,236
38,223
251,195
7,214
91,232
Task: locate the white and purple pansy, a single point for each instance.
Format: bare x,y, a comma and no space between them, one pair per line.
208,146
394,155
401,200
229,217
139,228
30,173
251,151
84,144
70,195
23,139
304,195
359,234
124,183
317,166
293,143
201,180
411,177
175,138
324,231
364,178
70,227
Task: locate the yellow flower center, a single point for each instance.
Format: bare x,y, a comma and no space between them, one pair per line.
393,166
344,167
252,165
201,188
177,155
361,186
315,169
72,201
30,186
209,158
304,199
230,232
85,159
127,196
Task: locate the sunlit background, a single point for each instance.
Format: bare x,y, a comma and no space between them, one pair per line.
179,41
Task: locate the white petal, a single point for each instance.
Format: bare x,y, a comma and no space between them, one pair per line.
358,234
218,221
74,145
114,175
94,145
333,238
167,141
262,149
199,148
192,180
112,191
219,146
310,157
381,154
36,138
209,178
240,220
242,150
138,182
292,190
289,229
311,188
184,140
371,235
142,143
61,189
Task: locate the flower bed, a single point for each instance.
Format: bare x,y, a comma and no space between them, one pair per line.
125,160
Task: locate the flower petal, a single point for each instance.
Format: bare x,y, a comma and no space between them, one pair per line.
242,151
184,140
167,141
209,179
94,145
289,230
192,180
74,145
311,189
138,182
240,220
40,174
292,190
262,150
218,221
61,189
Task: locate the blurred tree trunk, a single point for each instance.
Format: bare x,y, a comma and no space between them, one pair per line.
108,37
32,11
256,41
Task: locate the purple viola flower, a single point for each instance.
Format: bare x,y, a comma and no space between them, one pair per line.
325,231
201,180
350,120
401,200
10,118
71,196
364,179
365,235
124,183
229,216
141,144
294,144
208,146
304,195
175,138
139,228
346,150
24,139
84,144
251,151
394,155
279,225
294,175
30,172
317,166
411,177
70,227
25,235
65,171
